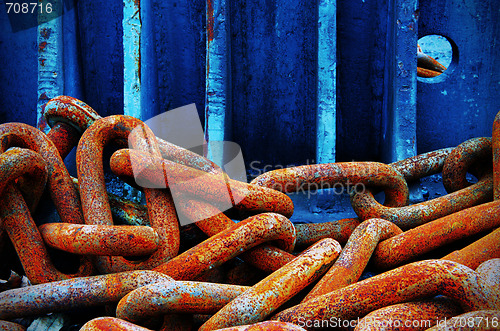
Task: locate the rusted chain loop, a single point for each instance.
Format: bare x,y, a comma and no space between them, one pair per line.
407,217
270,293
495,142
473,320
115,240
461,159
111,323
74,293
341,230
229,243
415,314
176,297
68,118
354,256
18,223
422,165
95,203
347,174
264,256
19,162
409,282
209,187
266,326
59,184
424,238
478,252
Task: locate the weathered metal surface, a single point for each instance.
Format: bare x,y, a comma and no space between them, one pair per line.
176,297
264,257
408,217
478,252
408,282
309,233
489,277
470,321
424,238
18,223
414,315
59,184
269,294
94,199
422,165
74,293
68,118
230,243
100,239
354,256
348,174
461,159
111,324
206,186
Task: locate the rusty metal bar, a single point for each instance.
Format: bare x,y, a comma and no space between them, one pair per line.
111,323
176,297
354,256
74,293
270,293
424,238
409,282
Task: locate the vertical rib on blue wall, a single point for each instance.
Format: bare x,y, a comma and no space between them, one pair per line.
50,62
149,77
400,136
217,94
72,61
132,28
327,94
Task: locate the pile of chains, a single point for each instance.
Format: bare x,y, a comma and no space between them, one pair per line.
260,272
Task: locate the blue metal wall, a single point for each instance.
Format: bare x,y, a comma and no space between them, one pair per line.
291,82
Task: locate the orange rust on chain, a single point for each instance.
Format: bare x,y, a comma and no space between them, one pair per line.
74,293
354,256
19,163
309,233
176,297
409,282
424,238
425,312
487,319
269,294
18,223
95,203
461,159
478,252
422,165
496,156
118,240
59,184
266,326
212,222
407,217
111,324
68,118
229,243
317,176
203,185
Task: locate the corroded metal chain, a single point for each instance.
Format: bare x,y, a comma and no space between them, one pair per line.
250,267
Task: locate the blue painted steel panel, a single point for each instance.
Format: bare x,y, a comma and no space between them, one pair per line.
274,59
462,102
